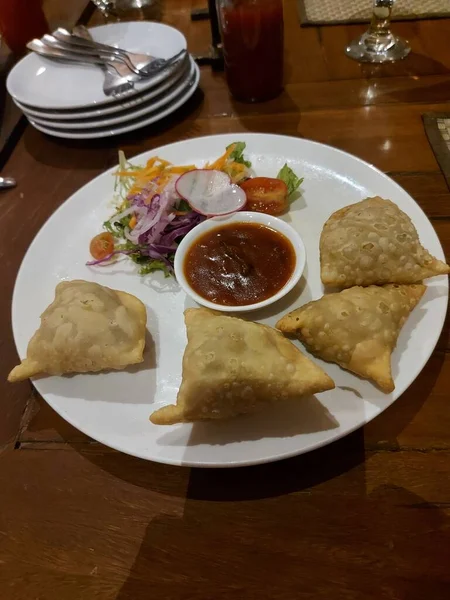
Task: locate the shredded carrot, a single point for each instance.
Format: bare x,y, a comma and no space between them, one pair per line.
220,162
151,162
160,171
132,223
182,169
164,163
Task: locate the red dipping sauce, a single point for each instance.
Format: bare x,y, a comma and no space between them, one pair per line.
239,264
252,37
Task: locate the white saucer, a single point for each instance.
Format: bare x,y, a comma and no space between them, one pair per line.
43,83
136,123
128,114
118,105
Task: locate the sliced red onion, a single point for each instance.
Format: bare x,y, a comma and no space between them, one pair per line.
107,258
129,211
159,206
146,222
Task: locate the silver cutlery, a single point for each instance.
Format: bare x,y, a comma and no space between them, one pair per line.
117,64
7,182
94,56
118,78
106,57
113,85
136,62
141,64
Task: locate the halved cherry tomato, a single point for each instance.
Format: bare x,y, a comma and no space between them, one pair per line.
101,245
266,195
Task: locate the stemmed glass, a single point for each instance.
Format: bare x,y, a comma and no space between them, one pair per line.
378,44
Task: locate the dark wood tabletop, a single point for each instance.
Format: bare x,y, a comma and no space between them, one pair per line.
367,517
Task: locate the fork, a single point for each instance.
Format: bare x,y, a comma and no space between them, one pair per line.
118,78
113,85
141,64
79,53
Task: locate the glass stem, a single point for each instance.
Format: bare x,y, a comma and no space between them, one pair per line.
378,44
104,6
381,17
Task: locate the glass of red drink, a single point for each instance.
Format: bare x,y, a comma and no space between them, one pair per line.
252,38
20,22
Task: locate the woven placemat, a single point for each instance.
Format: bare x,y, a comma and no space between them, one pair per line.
437,128
332,12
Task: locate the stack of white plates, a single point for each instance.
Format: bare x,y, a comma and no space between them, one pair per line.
67,101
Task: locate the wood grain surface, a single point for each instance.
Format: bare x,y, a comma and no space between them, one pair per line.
366,518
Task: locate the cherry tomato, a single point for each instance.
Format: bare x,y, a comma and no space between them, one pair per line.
266,195
101,245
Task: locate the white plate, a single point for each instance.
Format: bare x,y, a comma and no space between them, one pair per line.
43,83
127,115
130,125
123,104
114,408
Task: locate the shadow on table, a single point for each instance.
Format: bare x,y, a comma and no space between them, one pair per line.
379,541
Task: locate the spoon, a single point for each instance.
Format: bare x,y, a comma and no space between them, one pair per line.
7,182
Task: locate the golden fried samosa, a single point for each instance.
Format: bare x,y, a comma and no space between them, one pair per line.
88,327
356,328
374,242
231,366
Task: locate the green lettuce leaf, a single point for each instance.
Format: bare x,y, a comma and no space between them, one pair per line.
152,264
183,206
238,153
116,227
287,175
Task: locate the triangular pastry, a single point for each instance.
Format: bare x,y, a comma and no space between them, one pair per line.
232,366
356,328
88,327
374,242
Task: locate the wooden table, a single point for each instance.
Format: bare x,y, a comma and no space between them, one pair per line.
366,518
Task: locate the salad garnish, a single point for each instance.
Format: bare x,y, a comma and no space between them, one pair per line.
154,211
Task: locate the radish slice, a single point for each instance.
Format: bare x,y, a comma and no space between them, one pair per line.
210,192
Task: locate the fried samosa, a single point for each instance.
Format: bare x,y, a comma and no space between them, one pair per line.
356,328
88,327
231,366
374,242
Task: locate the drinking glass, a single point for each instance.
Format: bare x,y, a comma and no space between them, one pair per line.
378,44
20,22
252,41
130,10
